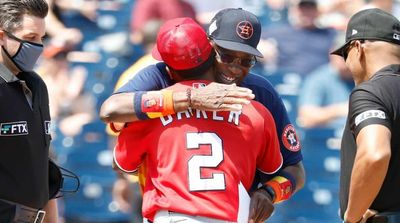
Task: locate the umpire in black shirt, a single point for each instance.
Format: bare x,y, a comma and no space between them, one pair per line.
24,115
370,152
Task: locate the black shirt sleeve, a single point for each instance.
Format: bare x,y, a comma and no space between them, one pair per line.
367,108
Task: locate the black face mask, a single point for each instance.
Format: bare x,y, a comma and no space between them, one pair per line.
57,176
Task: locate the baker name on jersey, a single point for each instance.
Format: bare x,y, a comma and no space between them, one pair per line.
230,117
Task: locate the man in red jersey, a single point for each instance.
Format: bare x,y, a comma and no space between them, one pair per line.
196,164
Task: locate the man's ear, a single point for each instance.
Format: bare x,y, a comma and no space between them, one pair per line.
360,49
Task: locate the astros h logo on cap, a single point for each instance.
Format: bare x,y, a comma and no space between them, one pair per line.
244,29
237,30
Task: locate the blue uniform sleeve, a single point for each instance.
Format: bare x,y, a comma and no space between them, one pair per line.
153,77
267,95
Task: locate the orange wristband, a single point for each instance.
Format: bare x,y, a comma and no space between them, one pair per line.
158,104
282,187
168,102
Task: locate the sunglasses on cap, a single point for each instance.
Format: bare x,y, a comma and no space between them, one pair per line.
229,59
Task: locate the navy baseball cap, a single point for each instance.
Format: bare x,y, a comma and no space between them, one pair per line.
371,24
236,29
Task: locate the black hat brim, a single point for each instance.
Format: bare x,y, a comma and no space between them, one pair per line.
340,50
235,46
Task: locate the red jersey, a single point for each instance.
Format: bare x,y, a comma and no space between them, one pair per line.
196,160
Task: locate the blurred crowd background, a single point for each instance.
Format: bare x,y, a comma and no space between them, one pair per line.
94,46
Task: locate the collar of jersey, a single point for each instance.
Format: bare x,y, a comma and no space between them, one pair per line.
6,74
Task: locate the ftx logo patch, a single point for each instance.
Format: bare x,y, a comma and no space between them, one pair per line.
14,128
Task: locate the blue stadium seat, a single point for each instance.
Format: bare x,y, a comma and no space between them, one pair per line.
93,203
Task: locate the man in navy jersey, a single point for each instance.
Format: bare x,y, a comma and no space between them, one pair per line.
234,34
196,169
203,151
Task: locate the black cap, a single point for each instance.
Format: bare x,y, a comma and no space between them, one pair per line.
237,30
371,24
311,3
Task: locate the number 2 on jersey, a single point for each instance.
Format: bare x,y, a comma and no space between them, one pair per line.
196,162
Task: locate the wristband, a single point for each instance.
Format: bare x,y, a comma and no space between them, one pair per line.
168,102
290,177
137,103
282,188
157,104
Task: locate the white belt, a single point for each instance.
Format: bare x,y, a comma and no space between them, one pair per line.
172,217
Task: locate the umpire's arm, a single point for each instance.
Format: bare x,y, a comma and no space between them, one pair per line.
369,170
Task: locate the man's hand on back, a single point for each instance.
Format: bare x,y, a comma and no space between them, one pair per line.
220,97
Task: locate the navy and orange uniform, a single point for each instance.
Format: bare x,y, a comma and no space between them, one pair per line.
374,102
24,139
196,160
155,77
